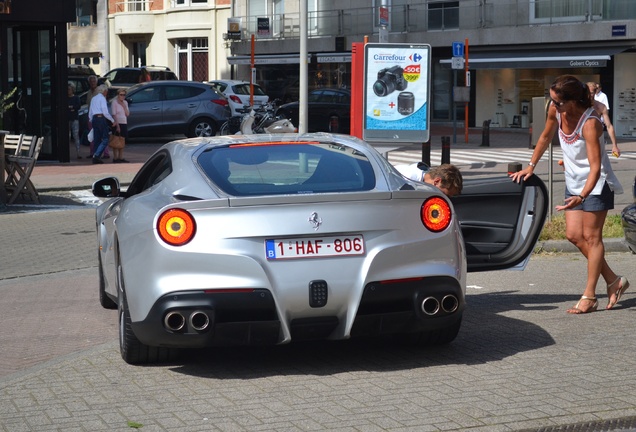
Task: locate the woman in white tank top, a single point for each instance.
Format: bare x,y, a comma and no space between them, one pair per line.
590,183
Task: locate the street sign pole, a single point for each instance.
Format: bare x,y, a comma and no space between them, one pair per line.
467,84
457,63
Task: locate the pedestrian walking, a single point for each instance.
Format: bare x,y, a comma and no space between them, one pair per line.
102,122
590,183
120,112
74,105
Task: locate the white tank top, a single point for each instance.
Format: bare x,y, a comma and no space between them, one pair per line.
576,163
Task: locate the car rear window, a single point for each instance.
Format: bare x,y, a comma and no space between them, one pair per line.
244,89
123,76
288,168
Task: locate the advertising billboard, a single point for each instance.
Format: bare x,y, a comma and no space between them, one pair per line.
397,82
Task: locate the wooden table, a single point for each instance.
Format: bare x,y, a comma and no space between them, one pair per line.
3,193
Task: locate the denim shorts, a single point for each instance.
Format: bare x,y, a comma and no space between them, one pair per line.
604,201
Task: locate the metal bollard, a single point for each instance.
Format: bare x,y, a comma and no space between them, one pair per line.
446,149
485,134
426,152
514,167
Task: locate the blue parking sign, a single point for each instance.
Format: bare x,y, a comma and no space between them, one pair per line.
458,49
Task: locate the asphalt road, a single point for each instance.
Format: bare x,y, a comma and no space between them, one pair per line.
519,363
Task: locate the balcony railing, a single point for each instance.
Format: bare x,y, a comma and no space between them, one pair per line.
134,6
421,17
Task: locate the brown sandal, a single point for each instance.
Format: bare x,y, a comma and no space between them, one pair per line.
577,310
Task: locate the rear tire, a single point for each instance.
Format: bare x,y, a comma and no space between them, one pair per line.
202,127
132,350
225,129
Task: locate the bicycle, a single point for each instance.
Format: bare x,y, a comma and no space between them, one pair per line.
263,120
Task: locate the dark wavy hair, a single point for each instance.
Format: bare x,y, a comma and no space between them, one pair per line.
569,88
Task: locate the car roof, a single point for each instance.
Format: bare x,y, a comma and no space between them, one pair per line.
80,70
337,89
231,82
172,83
152,68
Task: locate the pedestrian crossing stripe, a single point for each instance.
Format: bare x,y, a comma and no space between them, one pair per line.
470,157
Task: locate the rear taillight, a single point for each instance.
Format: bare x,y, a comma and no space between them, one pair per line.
236,99
222,102
176,227
436,214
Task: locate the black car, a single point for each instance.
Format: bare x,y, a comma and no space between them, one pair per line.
628,216
329,110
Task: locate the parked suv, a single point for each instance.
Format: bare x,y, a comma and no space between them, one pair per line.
175,107
125,77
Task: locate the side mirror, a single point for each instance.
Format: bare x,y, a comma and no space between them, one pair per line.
106,188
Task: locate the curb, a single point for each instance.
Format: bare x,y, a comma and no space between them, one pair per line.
611,245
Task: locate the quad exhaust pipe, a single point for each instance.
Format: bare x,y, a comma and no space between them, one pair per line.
431,306
176,321
199,320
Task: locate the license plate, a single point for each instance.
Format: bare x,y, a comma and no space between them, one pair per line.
314,247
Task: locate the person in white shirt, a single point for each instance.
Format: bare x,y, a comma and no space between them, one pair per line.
600,96
99,115
602,109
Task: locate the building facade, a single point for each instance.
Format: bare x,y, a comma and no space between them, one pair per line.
33,62
515,49
184,35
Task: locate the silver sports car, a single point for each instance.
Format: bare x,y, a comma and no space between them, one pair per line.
268,239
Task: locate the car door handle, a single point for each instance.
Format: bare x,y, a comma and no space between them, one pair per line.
156,108
192,105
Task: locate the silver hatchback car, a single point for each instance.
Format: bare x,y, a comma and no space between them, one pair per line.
175,107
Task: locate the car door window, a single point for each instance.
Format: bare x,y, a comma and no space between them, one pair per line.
154,171
328,96
182,92
147,94
342,98
315,96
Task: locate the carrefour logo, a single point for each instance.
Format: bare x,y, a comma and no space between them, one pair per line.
389,57
415,57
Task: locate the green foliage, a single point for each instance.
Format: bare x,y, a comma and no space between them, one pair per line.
5,101
555,229
134,425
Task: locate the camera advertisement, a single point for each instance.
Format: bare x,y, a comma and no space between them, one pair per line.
396,92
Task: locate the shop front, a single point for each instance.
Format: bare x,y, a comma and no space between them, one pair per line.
278,75
506,80
33,61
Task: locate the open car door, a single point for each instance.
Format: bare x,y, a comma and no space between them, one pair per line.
500,220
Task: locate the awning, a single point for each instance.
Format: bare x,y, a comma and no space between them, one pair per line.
539,59
261,59
337,57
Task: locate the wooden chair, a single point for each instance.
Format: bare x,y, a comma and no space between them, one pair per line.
22,166
12,144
